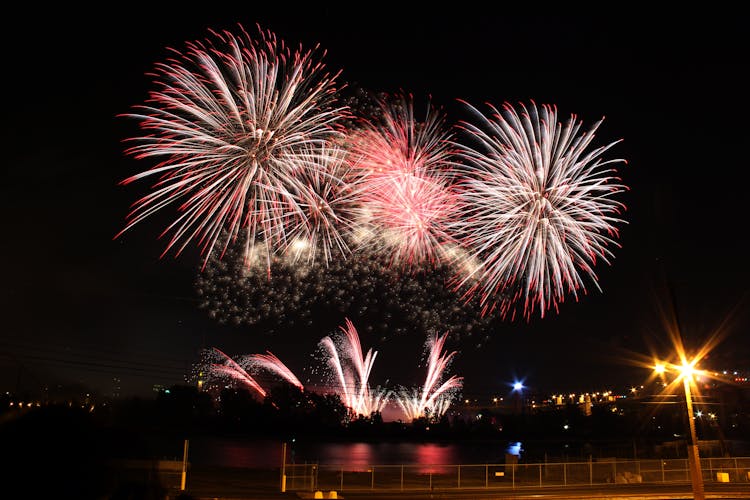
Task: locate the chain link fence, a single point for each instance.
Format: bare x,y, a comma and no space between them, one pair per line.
309,477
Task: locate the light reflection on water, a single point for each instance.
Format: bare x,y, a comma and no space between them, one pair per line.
431,456
227,452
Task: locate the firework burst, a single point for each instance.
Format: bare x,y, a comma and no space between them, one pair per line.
323,216
406,200
232,123
538,206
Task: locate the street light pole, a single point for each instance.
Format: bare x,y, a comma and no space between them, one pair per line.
694,461
696,476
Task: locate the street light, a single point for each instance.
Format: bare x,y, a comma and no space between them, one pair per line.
686,371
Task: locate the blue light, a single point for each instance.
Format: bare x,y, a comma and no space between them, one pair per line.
514,449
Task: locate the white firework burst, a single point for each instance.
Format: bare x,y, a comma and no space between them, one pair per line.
538,205
228,121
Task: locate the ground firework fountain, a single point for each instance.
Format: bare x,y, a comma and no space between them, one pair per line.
351,372
348,370
433,399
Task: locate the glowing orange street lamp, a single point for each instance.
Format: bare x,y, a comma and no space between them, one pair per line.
686,371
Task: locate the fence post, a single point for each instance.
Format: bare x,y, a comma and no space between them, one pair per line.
184,465
486,475
513,475
565,474
540,475
687,469
459,475
591,472
661,461
342,478
283,467
402,477
372,480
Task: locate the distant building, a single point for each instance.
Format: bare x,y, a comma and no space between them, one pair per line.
586,405
116,388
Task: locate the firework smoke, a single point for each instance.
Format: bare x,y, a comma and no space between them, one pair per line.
302,295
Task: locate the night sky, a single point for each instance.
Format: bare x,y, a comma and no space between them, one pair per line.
81,308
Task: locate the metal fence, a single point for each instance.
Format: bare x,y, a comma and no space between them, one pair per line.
308,477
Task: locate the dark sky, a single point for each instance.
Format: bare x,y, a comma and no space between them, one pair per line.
80,308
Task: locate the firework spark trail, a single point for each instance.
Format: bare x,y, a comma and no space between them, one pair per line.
404,166
227,123
233,371
433,398
273,364
538,208
352,371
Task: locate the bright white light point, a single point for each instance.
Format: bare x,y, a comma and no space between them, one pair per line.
660,368
517,386
300,244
